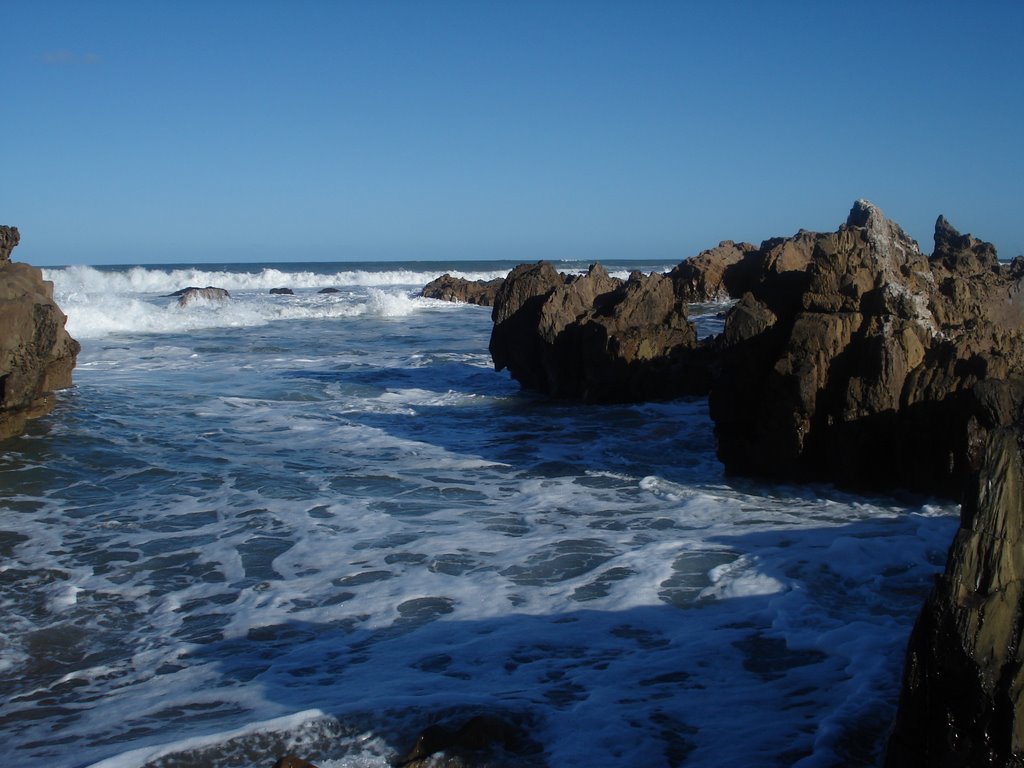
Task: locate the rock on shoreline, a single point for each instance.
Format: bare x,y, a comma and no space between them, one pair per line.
963,686
875,366
36,352
850,357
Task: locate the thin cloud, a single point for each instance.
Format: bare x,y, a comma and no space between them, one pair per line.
64,58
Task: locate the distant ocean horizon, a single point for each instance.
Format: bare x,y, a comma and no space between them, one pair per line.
319,522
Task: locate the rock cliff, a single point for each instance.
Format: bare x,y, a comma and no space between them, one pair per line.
870,364
36,353
963,690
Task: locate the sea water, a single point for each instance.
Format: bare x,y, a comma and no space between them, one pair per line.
318,523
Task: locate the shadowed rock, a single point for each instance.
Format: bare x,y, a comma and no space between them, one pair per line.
291,761
458,289
874,365
282,292
482,740
594,337
718,274
36,352
963,690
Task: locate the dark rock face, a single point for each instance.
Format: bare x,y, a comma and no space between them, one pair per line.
594,337
291,761
448,288
282,292
873,365
188,295
963,690
482,740
36,352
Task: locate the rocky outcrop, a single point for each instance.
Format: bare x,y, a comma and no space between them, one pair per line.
36,352
192,294
717,274
963,691
594,337
851,357
448,288
856,359
282,292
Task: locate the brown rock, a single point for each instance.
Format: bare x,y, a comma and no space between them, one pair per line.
963,691
9,238
458,289
594,337
718,274
36,352
868,367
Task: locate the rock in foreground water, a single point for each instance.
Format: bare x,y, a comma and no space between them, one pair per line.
594,337
963,689
459,289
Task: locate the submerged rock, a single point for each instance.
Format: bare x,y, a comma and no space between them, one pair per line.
482,740
282,292
448,288
189,295
963,689
291,761
36,353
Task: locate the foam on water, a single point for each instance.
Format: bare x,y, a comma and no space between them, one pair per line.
318,533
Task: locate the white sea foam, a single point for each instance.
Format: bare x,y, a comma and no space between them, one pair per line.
226,525
147,280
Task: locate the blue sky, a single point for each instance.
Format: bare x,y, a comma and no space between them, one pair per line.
255,131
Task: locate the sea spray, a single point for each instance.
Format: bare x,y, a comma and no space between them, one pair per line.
333,511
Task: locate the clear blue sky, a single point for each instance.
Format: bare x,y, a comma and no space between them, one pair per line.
251,131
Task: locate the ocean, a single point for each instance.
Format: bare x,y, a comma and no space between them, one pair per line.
318,523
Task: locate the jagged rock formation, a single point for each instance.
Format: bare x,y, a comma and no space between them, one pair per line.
192,294
594,337
448,288
872,365
963,690
851,357
36,353
721,273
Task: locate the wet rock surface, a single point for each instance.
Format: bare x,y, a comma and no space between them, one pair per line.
963,690
448,288
482,741
192,294
36,353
